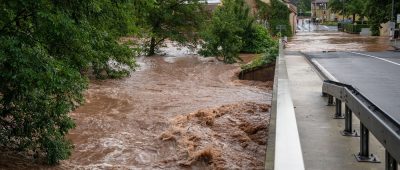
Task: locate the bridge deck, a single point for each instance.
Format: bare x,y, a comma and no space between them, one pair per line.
375,74
322,144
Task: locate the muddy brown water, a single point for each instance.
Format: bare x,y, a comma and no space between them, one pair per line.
181,111
121,124
337,41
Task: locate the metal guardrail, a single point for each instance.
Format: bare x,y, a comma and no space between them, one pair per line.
372,119
284,149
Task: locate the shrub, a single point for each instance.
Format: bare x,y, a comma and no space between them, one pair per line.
354,29
257,39
223,34
231,31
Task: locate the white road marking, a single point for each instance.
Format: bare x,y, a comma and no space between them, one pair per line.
324,71
376,58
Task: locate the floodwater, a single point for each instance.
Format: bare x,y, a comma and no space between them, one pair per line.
336,41
132,123
182,111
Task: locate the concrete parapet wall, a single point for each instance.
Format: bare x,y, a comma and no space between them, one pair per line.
284,149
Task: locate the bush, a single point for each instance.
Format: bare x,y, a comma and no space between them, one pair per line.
231,31
354,29
257,39
223,34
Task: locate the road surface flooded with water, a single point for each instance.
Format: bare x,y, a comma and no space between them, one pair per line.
336,41
182,111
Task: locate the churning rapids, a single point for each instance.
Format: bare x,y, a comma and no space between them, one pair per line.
178,111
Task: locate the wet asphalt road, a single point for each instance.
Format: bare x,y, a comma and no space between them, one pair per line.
375,74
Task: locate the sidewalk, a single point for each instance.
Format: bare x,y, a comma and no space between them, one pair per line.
324,148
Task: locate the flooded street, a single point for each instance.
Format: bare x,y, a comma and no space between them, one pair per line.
336,41
182,111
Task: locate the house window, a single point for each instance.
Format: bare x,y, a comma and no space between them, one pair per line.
321,6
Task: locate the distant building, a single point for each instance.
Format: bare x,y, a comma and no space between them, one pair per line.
321,12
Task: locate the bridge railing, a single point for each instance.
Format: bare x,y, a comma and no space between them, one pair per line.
372,119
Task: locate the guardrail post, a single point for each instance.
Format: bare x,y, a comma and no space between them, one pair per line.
330,100
364,155
348,127
338,114
391,163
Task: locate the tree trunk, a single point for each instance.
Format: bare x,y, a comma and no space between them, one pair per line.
152,46
354,18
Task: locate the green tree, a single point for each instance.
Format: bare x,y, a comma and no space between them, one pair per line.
278,14
232,30
302,5
337,6
223,34
378,12
176,20
348,7
46,50
355,7
256,39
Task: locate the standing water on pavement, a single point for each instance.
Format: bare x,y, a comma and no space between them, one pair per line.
336,41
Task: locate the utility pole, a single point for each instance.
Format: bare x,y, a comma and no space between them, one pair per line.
392,10
343,10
